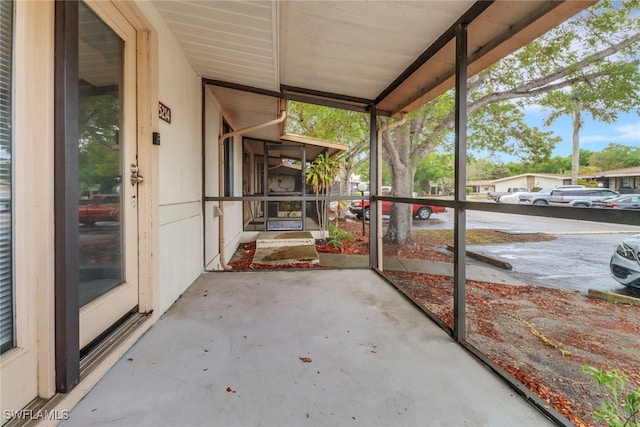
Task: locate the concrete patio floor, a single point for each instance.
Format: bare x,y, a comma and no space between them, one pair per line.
299,348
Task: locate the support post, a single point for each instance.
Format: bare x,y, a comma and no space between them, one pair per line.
374,177
460,217
303,204
66,195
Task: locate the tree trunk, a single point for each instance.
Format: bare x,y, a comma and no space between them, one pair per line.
575,155
400,216
399,229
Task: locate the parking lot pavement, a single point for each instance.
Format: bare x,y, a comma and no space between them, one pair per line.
573,262
578,259
521,223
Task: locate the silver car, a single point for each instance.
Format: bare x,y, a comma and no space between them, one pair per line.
625,201
625,262
579,197
541,197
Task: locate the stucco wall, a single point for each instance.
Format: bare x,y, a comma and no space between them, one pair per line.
180,166
529,181
511,183
232,211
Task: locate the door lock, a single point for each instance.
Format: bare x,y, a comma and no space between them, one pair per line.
136,178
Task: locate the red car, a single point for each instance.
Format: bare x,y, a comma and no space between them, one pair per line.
101,207
422,212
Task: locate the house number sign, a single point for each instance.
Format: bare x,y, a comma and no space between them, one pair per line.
164,112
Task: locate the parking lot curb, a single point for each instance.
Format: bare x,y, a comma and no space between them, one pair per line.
483,258
569,233
613,297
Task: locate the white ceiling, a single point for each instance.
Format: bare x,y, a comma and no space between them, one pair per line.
232,41
352,48
357,48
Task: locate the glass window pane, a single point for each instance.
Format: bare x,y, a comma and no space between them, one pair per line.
99,153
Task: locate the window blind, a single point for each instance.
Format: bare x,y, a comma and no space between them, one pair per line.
6,161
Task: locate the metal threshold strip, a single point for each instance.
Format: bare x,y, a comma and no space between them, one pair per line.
93,359
88,363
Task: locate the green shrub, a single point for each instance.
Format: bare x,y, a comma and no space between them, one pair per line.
619,408
337,233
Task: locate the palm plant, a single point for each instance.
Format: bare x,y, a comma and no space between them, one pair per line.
321,174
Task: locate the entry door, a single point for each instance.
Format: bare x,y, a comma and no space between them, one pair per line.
107,153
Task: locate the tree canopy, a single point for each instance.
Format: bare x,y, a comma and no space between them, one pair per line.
588,65
615,156
333,124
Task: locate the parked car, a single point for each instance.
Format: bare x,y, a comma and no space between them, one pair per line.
422,212
496,195
625,262
101,207
579,197
541,198
509,198
626,201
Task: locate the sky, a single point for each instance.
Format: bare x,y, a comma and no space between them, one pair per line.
594,136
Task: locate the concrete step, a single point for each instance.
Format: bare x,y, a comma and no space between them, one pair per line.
279,239
286,255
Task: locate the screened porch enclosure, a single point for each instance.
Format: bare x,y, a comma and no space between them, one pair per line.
439,285
280,169
392,335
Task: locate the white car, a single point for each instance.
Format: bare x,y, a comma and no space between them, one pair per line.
625,262
509,198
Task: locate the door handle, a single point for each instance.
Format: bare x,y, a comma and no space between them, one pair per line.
136,178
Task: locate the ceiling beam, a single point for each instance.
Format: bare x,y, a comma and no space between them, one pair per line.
310,96
473,12
244,88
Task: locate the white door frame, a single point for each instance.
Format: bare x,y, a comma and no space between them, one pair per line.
28,370
102,312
